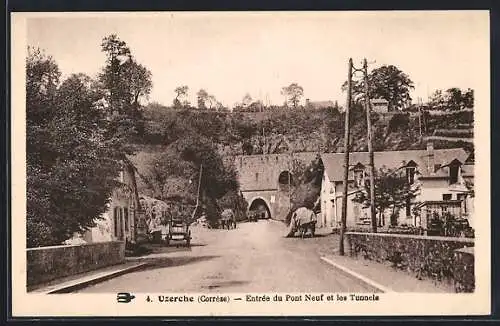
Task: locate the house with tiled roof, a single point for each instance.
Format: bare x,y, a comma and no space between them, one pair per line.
442,179
320,104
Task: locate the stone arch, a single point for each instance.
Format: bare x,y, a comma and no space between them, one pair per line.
261,204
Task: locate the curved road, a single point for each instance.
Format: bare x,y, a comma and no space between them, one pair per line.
254,257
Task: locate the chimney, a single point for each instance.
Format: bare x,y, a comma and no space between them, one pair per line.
430,157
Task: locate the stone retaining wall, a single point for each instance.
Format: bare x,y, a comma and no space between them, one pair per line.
45,264
425,256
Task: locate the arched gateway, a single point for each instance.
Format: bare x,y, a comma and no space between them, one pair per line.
259,206
267,177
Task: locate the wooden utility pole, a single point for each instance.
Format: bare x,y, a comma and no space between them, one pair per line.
420,116
346,159
370,148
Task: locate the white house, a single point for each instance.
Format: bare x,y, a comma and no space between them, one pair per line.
119,219
442,178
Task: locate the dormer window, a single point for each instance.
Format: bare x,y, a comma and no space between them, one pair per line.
410,175
411,169
359,178
454,170
359,175
454,174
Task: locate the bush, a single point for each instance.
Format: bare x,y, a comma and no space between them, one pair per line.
400,121
464,270
460,133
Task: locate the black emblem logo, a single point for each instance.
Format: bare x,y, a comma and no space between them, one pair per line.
124,297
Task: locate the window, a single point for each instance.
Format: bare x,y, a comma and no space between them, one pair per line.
359,177
125,216
115,220
454,173
410,175
446,196
408,207
256,176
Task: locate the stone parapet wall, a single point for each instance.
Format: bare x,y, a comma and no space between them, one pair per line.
45,264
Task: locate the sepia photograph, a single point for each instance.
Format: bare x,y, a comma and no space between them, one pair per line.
247,163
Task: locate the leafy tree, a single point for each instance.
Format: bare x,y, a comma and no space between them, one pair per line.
235,201
181,96
247,100
392,190
212,102
293,93
71,168
125,82
202,97
386,82
437,100
306,185
42,80
454,99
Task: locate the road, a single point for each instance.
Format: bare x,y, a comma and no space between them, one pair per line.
254,257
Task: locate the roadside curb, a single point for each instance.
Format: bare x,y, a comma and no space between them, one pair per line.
358,276
70,286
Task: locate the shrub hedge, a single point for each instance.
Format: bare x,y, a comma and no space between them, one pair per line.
424,256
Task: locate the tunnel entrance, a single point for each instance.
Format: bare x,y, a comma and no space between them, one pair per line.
260,207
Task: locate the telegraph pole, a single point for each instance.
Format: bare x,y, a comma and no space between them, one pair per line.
420,116
346,159
370,148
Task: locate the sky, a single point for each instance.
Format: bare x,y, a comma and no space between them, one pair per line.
230,54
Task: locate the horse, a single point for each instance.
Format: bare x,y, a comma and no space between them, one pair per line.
228,219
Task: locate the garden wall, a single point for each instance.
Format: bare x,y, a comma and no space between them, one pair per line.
464,270
45,264
423,256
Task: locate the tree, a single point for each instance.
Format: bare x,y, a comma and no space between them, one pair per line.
437,100
202,97
181,96
292,93
125,82
212,101
386,82
247,100
392,190
174,174
454,99
71,168
42,80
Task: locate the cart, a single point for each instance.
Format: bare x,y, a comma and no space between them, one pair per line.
178,229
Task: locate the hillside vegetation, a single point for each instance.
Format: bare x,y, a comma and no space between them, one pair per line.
303,130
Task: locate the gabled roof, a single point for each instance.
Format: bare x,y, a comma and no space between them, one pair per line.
334,162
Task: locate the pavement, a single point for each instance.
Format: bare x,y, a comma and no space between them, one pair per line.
74,282
254,257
